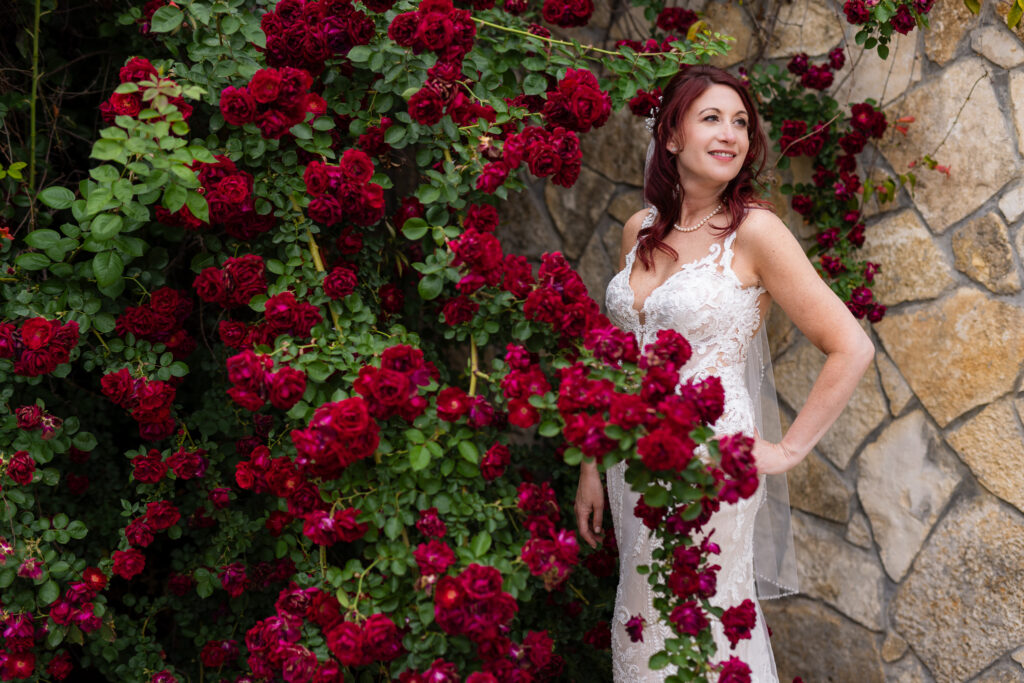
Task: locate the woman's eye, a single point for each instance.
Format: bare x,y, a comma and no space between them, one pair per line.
741,122
711,117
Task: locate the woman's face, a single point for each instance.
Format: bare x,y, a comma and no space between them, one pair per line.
712,142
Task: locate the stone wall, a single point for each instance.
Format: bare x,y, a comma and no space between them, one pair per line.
908,515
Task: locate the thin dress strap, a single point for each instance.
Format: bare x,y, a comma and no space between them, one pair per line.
727,253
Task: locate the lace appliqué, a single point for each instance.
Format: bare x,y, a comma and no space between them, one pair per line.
706,303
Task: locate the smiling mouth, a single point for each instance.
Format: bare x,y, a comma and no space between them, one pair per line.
723,155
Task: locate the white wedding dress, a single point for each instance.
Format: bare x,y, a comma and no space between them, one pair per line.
706,303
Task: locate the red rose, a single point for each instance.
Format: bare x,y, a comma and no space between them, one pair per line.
237,106
29,417
187,464
273,124
459,310
318,178
340,282
433,558
139,532
137,69
126,104
286,387
481,217
491,178
426,106
234,334
265,85
149,468
325,209
345,641
235,188
392,300
211,286
382,638
355,166
247,278
403,28
162,514
128,563
21,468
37,333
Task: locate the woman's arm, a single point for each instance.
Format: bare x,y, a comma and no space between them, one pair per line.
589,505
791,280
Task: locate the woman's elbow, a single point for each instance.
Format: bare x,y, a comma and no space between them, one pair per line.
863,352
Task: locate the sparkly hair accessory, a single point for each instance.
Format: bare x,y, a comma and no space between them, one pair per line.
652,116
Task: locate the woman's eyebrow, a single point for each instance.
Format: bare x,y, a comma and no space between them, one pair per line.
719,111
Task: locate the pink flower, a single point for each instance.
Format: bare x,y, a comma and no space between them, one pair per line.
31,568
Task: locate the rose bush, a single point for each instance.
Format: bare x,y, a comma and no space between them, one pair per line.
278,404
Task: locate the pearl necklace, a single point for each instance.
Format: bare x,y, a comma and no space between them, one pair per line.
699,225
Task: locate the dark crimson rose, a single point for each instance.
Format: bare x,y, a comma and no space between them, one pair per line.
139,532
452,403
599,637
459,310
543,160
59,668
567,13
286,387
265,85
37,333
676,19
426,106
126,104
211,286
345,641
493,464
738,621
325,209
481,217
149,468
187,464
355,166
128,563
837,58
734,670
237,106
317,177
234,334
817,78
29,417
383,639
923,6
340,282
688,618
162,514
247,278
235,188
404,28
798,65
137,69
392,299
491,178
315,105
903,21
856,11
273,124
429,524
21,468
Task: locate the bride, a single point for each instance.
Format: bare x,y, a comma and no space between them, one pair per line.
711,259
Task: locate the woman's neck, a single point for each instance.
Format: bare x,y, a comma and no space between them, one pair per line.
698,203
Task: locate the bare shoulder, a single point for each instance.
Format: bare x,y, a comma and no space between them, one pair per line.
763,230
629,234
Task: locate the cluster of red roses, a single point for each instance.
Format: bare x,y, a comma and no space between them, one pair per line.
817,76
549,552
137,70
75,607
161,321
186,464
435,556
474,605
217,653
307,33
32,418
280,477
282,314
567,13
524,379
393,388
240,279
39,345
148,401
274,99
561,299
444,92
435,26
229,195
344,191
160,516
902,21
253,383
644,102
17,660
577,103
338,435
273,643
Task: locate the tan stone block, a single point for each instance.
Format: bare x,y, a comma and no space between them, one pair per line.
869,76
1018,656
896,388
907,670
809,26
957,353
905,480
979,167
631,24
960,607
999,45
992,445
624,206
1003,672
595,268
815,488
1012,201
577,209
948,22
617,149
812,641
912,267
847,578
982,251
893,648
524,227
730,19
858,531
1017,98
795,373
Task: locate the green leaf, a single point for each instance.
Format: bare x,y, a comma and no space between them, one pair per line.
430,287
359,53
656,496
57,197
165,19
393,528
42,238
549,428
107,266
32,261
394,134
106,226
302,131
112,150
419,457
469,452
428,194
198,205
98,198
659,660
480,544
534,84
104,322
49,592
174,197
883,51
973,5
415,228
1016,11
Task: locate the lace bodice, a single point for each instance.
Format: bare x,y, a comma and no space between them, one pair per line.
706,303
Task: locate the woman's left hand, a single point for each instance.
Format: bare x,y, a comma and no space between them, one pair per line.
772,458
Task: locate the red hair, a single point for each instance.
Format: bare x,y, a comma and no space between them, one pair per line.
661,185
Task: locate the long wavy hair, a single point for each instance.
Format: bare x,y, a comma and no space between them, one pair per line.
661,185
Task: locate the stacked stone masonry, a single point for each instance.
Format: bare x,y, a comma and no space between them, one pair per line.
909,515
